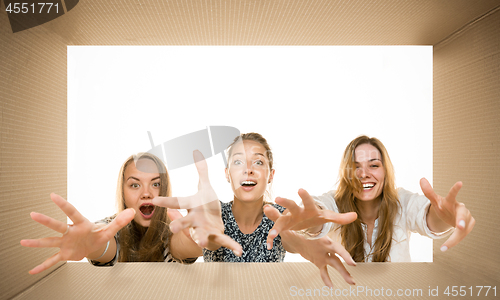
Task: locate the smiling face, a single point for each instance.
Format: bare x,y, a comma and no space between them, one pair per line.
370,171
248,171
139,189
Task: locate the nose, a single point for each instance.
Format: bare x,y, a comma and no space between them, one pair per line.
362,172
146,193
249,171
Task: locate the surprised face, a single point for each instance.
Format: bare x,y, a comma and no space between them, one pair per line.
248,171
139,189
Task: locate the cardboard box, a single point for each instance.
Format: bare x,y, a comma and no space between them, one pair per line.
466,39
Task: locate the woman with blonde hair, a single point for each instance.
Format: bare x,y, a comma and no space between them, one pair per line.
386,215
139,232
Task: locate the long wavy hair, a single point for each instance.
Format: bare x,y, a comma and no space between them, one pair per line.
138,243
255,137
352,234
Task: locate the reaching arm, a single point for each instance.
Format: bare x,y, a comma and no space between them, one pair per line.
446,212
182,246
81,239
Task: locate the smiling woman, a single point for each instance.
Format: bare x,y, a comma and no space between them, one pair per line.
386,215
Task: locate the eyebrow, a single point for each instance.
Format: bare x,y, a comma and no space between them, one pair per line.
137,179
240,153
373,159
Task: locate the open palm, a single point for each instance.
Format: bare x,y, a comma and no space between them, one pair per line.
79,239
204,213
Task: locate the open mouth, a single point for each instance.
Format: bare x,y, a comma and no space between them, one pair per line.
248,185
368,186
147,210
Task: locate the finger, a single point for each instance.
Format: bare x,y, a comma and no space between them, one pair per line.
340,250
429,191
335,262
271,212
289,204
462,214
203,196
174,214
452,194
200,237
49,262
49,222
120,221
339,218
278,227
201,166
68,209
182,223
307,201
170,202
458,235
227,242
323,272
50,242
274,214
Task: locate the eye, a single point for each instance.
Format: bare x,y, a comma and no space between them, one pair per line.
237,162
259,162
156,184
134,185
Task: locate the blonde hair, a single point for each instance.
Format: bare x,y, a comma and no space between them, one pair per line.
255,137
349,183
144,244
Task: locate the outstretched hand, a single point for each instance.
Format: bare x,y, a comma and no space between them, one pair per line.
79,239
321,252
296,217
449,211
204,213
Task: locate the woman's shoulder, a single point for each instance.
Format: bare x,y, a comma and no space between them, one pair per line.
409,199
405,195
327,200
225,208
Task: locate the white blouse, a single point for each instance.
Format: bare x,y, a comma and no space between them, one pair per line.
411,217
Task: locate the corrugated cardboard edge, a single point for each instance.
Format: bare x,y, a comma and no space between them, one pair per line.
239,281
466,141
32,146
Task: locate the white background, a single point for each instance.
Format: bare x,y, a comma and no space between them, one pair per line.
308,102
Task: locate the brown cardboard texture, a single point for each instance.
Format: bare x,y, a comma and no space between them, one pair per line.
33,137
